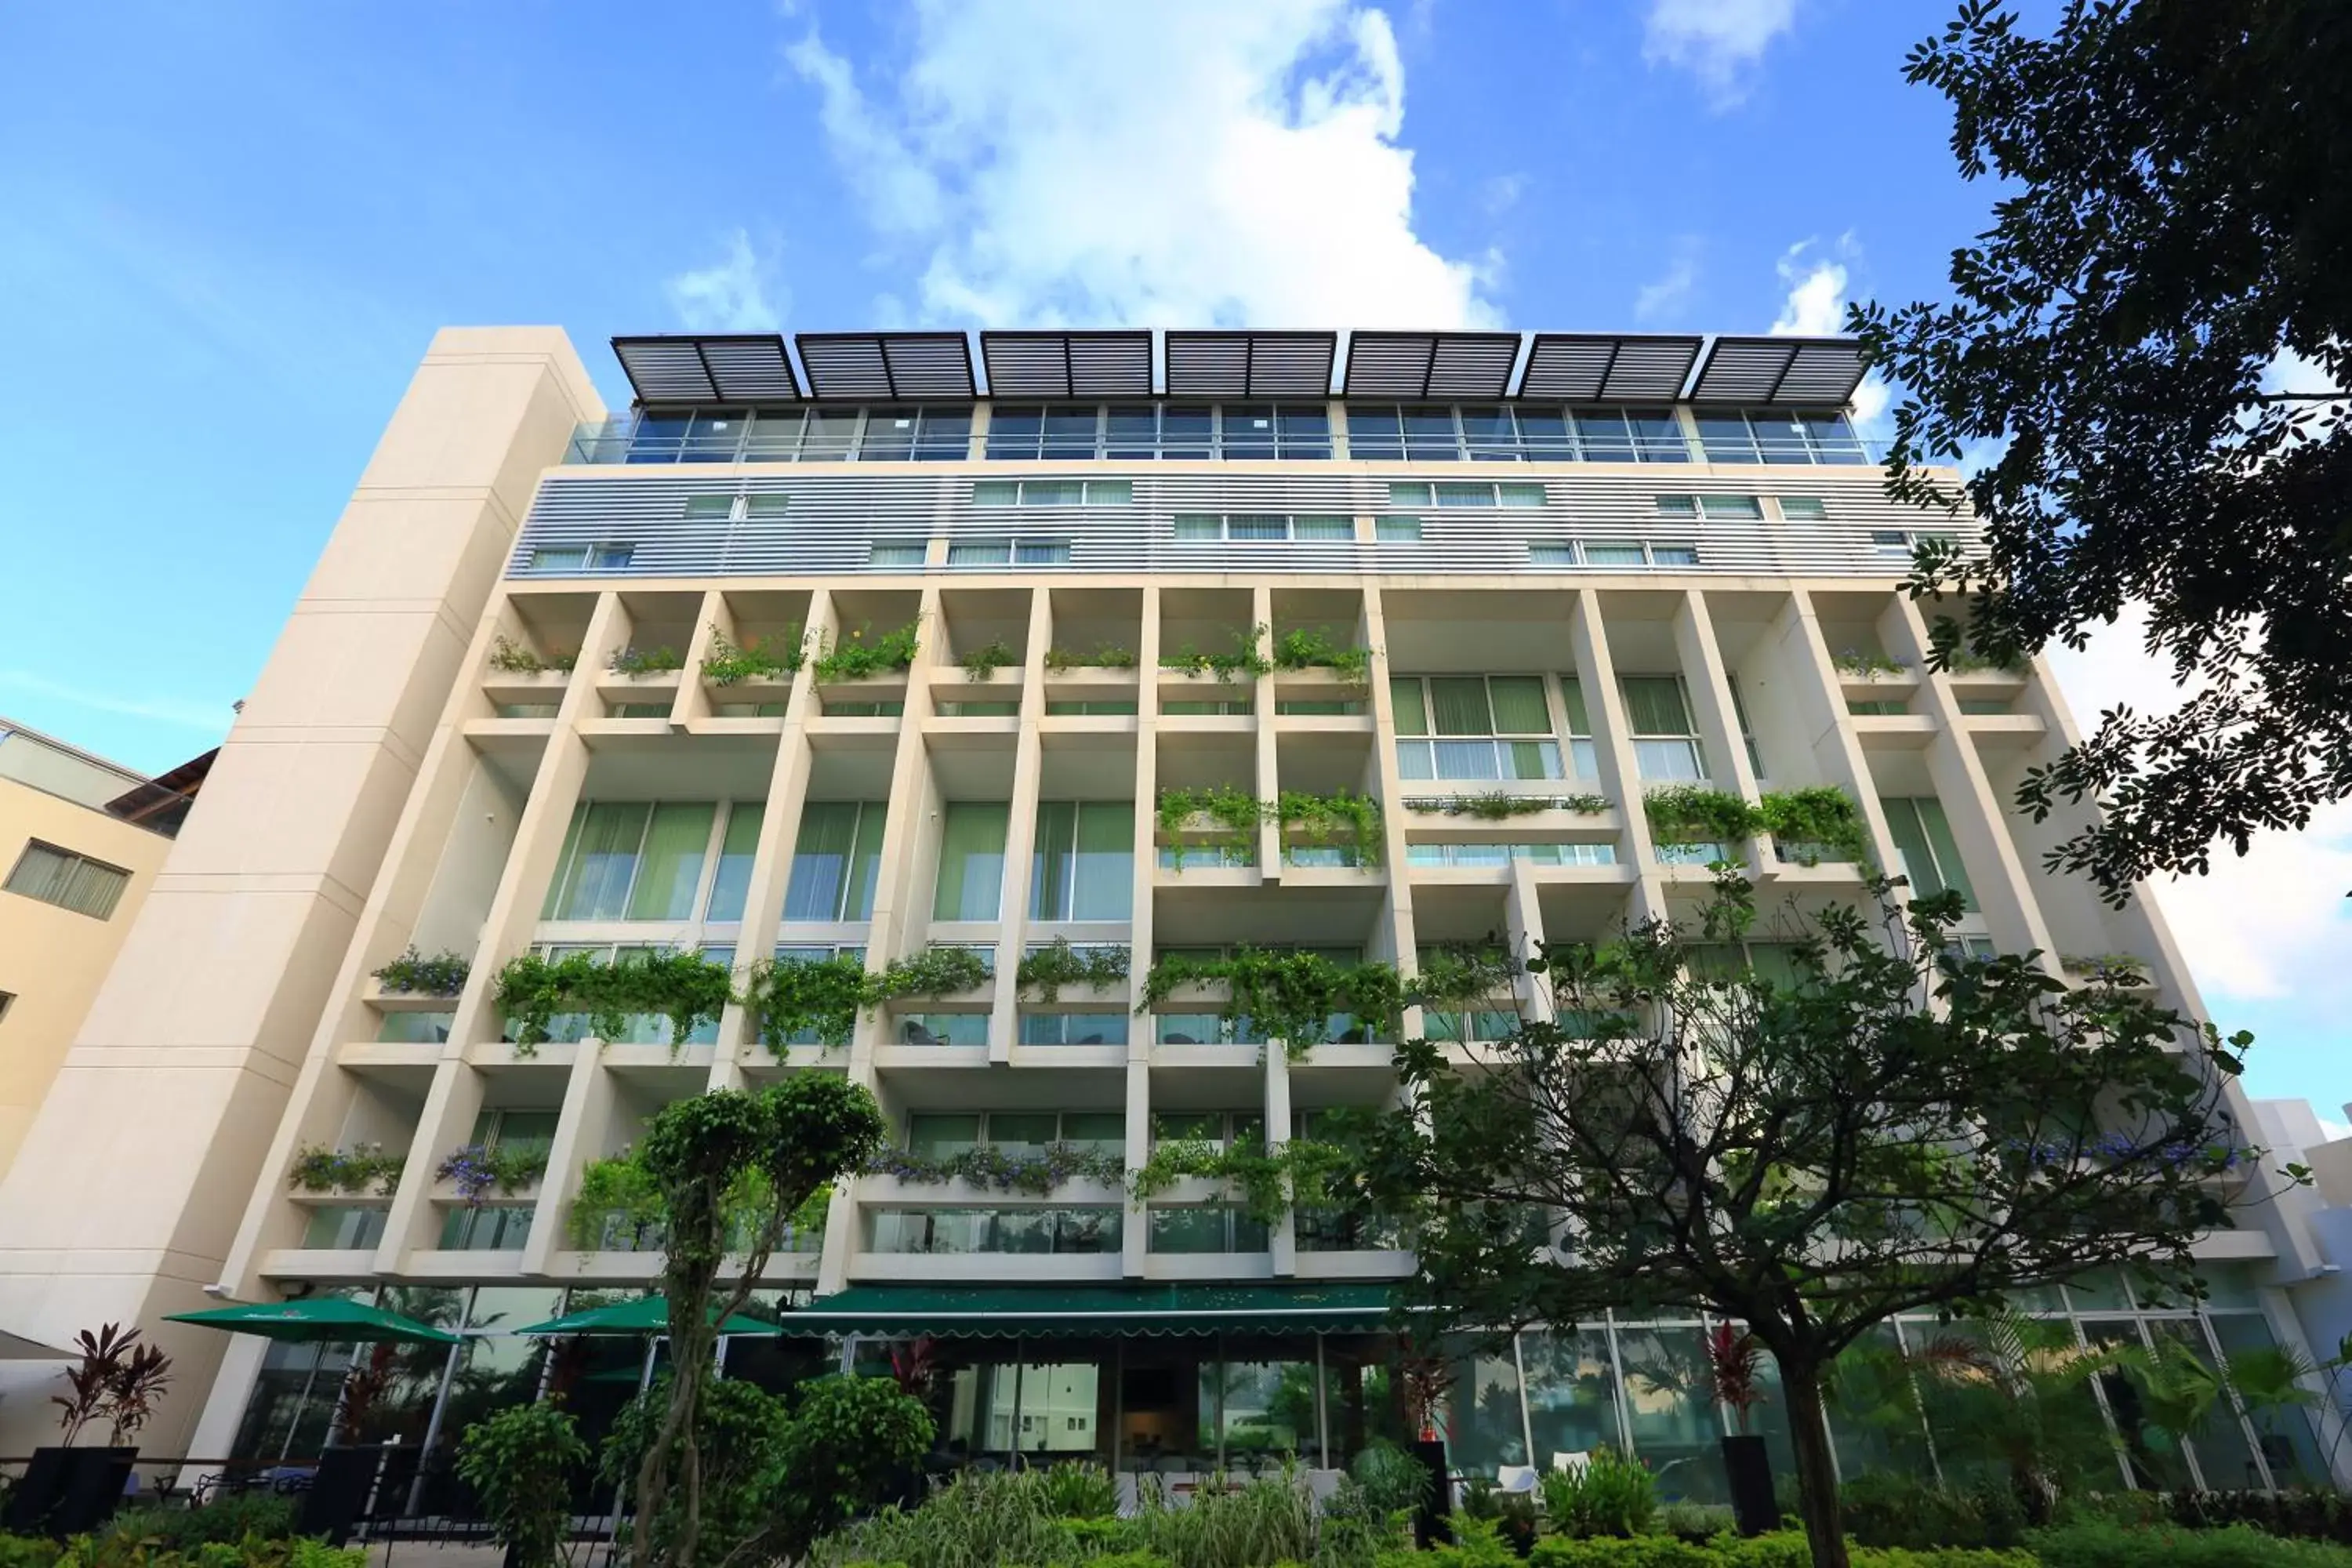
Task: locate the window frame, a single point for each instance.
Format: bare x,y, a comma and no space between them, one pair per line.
76,861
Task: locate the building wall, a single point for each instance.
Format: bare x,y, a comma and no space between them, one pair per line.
125,1196
52,959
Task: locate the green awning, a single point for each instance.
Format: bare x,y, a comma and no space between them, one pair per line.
318,1320
1016,1311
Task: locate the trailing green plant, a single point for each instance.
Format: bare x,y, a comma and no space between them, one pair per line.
1342,817
1246,658
988,1166
1964,660
520,1463
1457,974
413,974
1856,661
1267,1181
1236,811
1291,995
727,662
2101,1543
634,660
319,1169
477,1168
616,1187
512,657
1103,656
1693,813
933,973
983,662
1610,1494
1267,1521
1299,649
1045,970
797,996
1496,806
858,656
686,988
2113,968
114,1550
224,1521
1821,818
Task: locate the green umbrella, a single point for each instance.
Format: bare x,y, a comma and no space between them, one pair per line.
645,1315
319,1320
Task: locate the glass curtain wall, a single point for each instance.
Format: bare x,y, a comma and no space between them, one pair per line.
836,859
1084,867
972,860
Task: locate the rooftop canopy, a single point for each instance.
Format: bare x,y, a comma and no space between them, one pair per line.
688,371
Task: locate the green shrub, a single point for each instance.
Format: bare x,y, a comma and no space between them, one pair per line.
113,1550
1266,1521
228,1518
28,1550
1695,1521
1610,1495
1615,1552
739,1430
2101,1543
1081,1491
520,1463
1882,1508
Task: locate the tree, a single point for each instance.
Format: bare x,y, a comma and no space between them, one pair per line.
782,1144
520,1463
1889,1130
2178,218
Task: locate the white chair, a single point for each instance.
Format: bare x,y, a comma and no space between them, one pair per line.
1516,1478
1574,1464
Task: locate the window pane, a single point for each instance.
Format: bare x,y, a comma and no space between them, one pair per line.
1458,706
996,492
1654,705
1103,886
1833,439
1373,433
1051,865
1109,492
1322,528
1184,433
946,436
1013,432
1248,430
1658,436
1429,434
1938,828
1520,708
1571,696
1069,433
1466,760
1257,528
1042,551
1519,495
1604,437
828,435
1490,434
1674,1427
1544,436
980,552
889,434
1615,555
68,881
1398,530
1199,525
1673,555
600,858
942,1135
1915,861
1741,507
821,857
1466,495
1306,432
1132,430
972,861
733,878
1571,1394
1726,438
672,867
1675,506
1779,438
1404,696
1669,762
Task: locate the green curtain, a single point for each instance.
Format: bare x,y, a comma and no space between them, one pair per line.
1458,706
865,862
1654,705
1923,842
1053,860
600,858
1938,829
1404,695
1520,708
972,860
1102,887
823,857
1571,696
671,867
733,878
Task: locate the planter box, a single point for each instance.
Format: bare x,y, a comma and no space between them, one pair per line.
1747,1467
67,1491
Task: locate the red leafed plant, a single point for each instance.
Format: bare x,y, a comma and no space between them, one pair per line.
119,1378
1424,1379
1735,1367
913,1365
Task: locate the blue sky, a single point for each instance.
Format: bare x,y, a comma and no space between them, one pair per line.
233,229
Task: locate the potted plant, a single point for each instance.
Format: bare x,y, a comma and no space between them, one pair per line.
1734,1362
68,1490
1425,1378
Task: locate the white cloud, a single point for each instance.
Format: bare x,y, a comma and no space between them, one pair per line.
1226,162
729,295
1667,295
214,716
1815,307
1716,40
2258,925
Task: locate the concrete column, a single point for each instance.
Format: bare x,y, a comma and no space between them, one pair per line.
1612,748
191,1047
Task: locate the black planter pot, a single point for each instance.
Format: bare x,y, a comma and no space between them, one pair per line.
1749,1469
339,1493
1433,1521
68,1491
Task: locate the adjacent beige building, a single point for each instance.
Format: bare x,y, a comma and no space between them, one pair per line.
80,840
1576,568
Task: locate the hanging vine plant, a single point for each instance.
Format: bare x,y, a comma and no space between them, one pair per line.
1235,813
1497,806
1457,975
858,656
1046,970
617,1188
986,1165
1340,817
413,974
1104,655
476,1169
1267,1182
1302,649
1687,814
1820,823
797,996
1246,658
684,987
934,973
319,1169
634,660
1290,996
983,662
511,657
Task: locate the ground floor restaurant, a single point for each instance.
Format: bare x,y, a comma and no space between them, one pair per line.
1180,1380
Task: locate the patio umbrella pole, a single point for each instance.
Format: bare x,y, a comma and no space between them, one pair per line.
302,1403
1322,1411
433,1431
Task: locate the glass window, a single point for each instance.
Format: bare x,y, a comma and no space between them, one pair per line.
829,435
942,1136
1544,435
1041,552
1726,437
775,437
1490,434
1257,528
1779,438
1405,698
1109,492
68,880
1664,746
1468,494
972,860
1398,530
1571,1393
670,867
1322,528
1735,506
834,860
980,552
1248,430
1675,506
1069,433
733,878
895,556
1015,431
715,436
711,506
1131,430
766,506
944,436
1674,555
1306,432
1675,1430
1559,554
598,862
1410,492
889,436
1833,440
1193,525
1519,495
1186,433
1604,435
1084,868
1074,1030
996,492
1923,845
1374,434
558,559
1615,555
1805,509
1658,434
1429,434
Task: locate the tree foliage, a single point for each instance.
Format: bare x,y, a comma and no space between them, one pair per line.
794,1137
1892,1130
520,1463
2175,221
